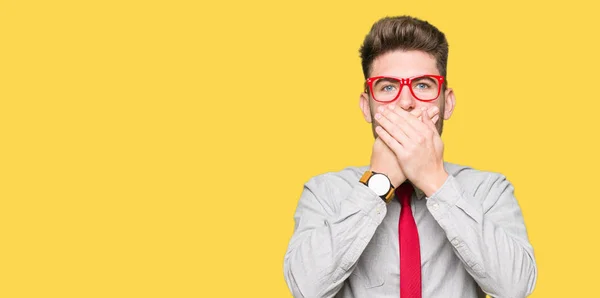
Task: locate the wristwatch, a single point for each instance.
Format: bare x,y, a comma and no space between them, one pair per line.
380,184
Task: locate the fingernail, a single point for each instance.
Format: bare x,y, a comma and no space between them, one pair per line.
380,109
434,109
392,107
377,116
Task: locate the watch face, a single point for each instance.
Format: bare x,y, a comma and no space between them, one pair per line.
380,184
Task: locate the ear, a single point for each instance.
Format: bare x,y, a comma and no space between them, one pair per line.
365,107
449,103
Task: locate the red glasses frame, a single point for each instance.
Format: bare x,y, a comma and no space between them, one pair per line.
405,81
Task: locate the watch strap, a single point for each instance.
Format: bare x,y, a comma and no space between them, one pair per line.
365,179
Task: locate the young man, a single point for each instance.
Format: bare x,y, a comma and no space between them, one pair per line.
409,224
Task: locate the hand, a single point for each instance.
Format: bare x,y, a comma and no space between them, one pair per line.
383,159
417,146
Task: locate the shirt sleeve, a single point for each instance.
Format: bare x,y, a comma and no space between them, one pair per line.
488,234
332,229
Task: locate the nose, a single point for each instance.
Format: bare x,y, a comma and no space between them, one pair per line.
405,100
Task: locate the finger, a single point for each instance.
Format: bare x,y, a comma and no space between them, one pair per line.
417,113
389,140
393,117
433,111
410,124
399,122
410,119
430,124
394,130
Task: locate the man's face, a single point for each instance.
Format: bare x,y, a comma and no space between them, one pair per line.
406,64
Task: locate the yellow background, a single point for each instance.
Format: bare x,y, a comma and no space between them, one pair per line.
159,148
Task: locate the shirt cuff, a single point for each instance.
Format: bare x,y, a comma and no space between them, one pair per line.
369,202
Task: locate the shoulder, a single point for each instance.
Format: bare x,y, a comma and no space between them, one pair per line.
338,181
483,186
327,190
466,174
470,177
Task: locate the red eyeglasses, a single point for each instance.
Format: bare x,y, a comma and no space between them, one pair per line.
387,89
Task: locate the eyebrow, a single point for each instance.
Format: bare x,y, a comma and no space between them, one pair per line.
386,79
426,78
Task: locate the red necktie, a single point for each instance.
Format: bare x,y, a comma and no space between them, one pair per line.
410,254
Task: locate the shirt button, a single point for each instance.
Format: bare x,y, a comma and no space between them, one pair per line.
435,206
455,242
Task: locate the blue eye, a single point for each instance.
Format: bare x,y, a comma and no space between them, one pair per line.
422,86
389,88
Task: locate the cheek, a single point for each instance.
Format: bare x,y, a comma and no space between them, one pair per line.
374,107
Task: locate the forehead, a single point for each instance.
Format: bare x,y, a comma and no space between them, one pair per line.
404,64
